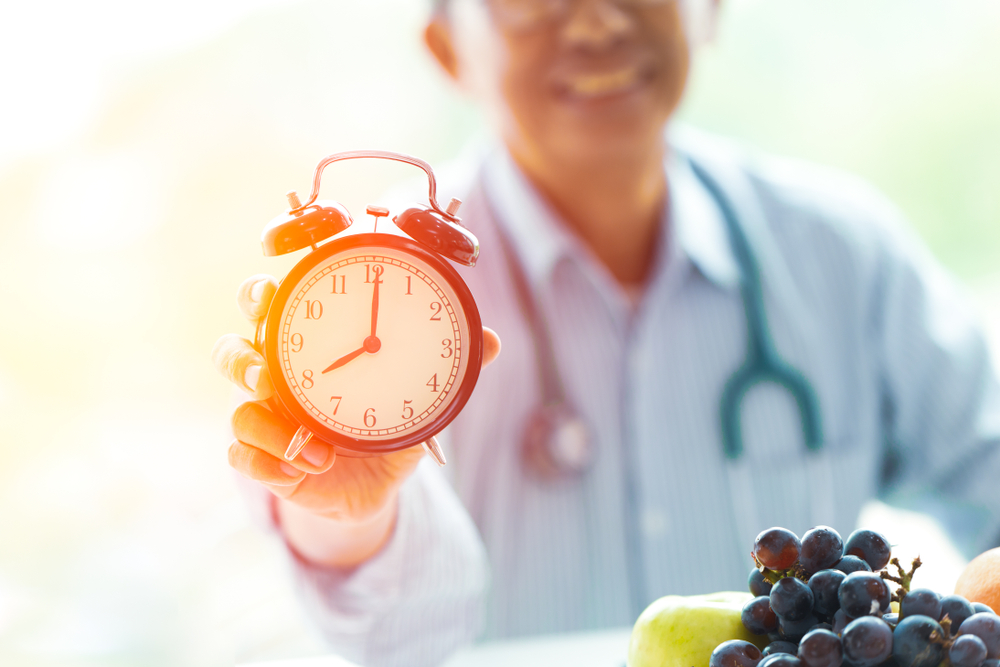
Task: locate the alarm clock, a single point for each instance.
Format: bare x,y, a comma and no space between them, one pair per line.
373,341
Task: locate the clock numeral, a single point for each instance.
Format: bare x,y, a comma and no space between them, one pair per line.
377,270
436,307
307,379
407,409
343,284
433,383
314,309
408,286
296,341
448,351
337,406
370,417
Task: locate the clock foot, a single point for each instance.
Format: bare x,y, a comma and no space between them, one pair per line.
299,440
433,447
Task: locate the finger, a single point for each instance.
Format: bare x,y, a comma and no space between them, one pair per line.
243,366
491,346
260,466
255,425
254,296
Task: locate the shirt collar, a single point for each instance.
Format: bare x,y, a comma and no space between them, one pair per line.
541,239
699,226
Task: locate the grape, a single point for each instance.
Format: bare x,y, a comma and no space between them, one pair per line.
921,601
821,648
758,617
867,642
841,620
957,609
758,584
735,653
781,660
991,663
967,651
796,630
824,586
849,564
780,646
870,547
823,626
979,606
863,594
986,627
918,641
891,619
776,548
791,599
821,548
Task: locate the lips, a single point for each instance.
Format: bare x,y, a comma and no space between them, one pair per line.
590,85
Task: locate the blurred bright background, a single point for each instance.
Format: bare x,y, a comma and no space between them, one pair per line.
144,145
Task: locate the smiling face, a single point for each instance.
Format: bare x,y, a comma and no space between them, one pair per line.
599,82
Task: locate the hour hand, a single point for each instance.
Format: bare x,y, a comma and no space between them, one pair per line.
344,359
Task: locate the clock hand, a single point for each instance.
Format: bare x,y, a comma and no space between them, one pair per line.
344,359
371,345
375,303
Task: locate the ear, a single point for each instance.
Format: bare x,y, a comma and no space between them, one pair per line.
437,38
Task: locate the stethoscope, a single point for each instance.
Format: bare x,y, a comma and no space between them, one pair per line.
557,442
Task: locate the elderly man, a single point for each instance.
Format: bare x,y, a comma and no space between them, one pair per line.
643,282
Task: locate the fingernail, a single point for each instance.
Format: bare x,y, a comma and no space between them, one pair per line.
252,377
315,453
257,291
289,470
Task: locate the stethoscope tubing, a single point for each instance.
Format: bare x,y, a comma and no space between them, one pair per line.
763,362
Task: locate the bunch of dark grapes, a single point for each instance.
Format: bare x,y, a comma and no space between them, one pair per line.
826,603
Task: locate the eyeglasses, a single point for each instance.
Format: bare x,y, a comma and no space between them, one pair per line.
529,14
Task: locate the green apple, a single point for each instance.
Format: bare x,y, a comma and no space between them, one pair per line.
682,631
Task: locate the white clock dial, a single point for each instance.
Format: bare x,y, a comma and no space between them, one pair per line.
381,384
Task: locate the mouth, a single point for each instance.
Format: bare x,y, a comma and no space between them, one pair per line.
603,84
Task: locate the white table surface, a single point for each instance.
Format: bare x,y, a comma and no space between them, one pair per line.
605,648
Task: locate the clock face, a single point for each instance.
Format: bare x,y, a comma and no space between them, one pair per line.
373,344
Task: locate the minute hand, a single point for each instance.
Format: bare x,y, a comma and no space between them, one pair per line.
344,359
375,305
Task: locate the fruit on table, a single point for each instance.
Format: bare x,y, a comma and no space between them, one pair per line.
980,580
870,547
776,548
682,631
834,611
918,641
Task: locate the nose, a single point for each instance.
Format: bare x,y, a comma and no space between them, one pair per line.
597,23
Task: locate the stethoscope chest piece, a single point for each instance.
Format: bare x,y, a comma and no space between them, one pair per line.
557,443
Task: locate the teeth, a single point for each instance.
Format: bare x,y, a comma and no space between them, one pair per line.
598,84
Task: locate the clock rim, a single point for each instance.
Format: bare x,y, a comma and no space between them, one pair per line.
289,405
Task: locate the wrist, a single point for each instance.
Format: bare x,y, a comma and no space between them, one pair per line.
330,542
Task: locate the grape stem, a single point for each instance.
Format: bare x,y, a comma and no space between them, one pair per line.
905,579
946,626
774,576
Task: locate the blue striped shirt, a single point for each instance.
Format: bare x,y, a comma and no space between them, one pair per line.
909,404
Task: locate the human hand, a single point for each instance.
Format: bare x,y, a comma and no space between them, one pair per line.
349,489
